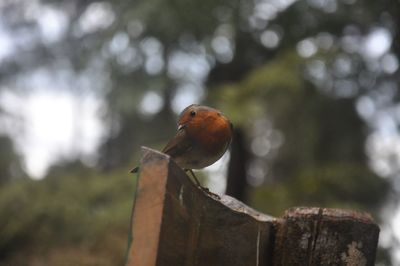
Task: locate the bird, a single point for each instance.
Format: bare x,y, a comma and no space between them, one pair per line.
202,138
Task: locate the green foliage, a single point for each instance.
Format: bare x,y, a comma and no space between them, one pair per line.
276,83
340,185
10,161
86,215
321,161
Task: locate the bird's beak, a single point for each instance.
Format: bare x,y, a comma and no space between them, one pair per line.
180,127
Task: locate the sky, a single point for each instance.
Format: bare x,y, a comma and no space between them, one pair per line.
56,124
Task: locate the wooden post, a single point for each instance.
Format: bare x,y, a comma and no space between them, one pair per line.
317,236
175,223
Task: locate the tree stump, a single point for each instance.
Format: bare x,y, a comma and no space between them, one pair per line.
176,223
317,236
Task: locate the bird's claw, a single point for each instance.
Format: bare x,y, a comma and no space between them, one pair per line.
210,193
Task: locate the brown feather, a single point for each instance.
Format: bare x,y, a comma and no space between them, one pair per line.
178,145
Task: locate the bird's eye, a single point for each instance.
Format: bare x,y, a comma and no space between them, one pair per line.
192,113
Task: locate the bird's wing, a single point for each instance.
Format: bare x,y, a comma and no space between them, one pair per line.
179,145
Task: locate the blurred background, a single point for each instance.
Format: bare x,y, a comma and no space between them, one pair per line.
311,86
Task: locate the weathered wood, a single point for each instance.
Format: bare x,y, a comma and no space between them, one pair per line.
317,236
176,223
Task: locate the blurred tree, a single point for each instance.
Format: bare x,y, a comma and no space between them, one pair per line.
10,161
64,168
150,58
305,83
308,148
236,181
68,220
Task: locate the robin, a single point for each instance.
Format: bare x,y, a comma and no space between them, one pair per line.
203,136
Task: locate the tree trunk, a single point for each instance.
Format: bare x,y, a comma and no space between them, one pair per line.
236,184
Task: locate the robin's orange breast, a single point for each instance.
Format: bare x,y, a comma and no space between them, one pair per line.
209,135
213,133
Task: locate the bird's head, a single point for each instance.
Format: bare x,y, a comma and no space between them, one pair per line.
199,117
